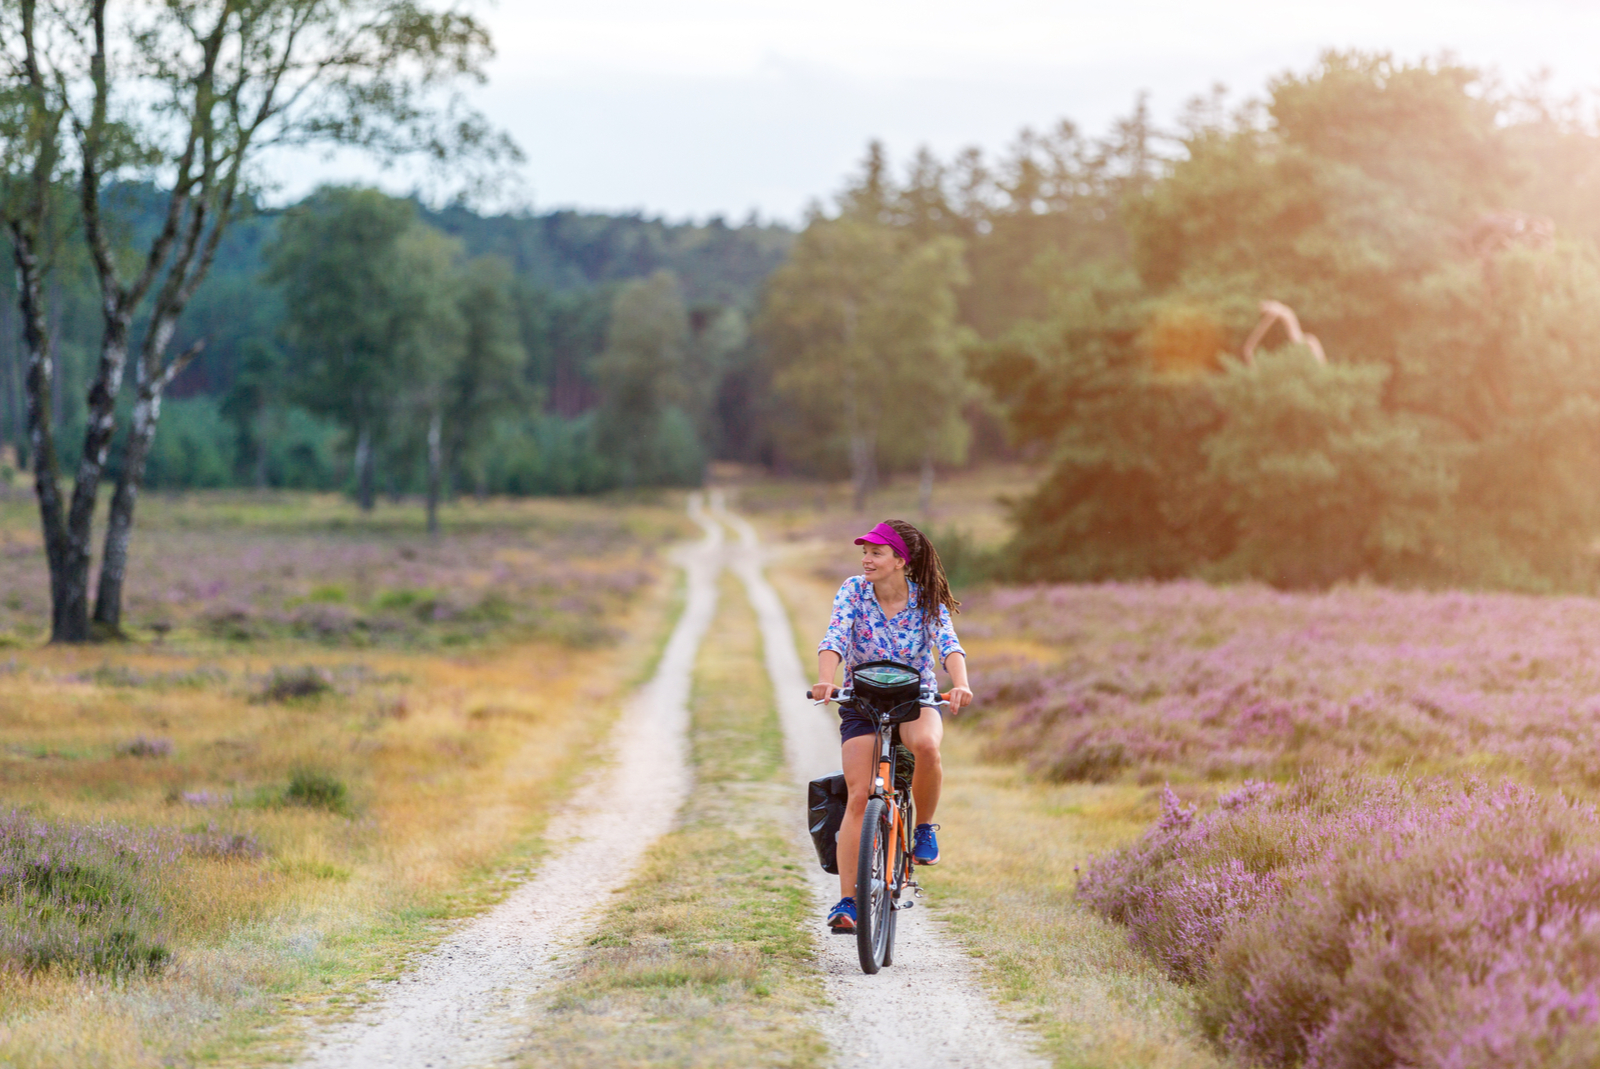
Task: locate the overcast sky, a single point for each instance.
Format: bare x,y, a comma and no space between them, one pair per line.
703,107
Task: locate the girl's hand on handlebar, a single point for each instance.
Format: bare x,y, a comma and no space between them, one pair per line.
958,697
821,692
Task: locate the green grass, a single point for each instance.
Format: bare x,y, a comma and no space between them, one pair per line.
706,958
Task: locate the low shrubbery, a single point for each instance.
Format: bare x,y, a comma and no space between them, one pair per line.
294,684
1342,922
222,845
315,788
143,747
1395,898
82,898
1185,681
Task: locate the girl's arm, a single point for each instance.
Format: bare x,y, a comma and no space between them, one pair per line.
827,668
831,650
955,661
960,693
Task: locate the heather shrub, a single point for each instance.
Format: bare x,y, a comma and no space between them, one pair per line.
143,747
290,684
236,623
324,621
81,898
1085,758
419,603
315,788
1182,681
112,675
1343,922
218,845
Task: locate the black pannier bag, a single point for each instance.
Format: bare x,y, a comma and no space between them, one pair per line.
888,686
825,799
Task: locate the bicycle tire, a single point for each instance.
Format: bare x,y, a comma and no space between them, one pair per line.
874,879
901,883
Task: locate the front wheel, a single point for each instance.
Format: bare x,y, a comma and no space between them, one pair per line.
900,866
874,902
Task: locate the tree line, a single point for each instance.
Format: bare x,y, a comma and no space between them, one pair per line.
1439,235
1348,330
230,421
1094,302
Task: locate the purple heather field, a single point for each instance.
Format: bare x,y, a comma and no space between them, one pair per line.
1185,681
1394,859
265,571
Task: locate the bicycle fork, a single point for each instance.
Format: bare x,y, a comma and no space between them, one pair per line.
899,881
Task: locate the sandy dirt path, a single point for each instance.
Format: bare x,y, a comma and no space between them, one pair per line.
927,1010
465,1004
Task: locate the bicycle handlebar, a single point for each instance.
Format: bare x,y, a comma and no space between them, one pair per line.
844,695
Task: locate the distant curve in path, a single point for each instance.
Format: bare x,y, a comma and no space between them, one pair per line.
928,1010
466,1003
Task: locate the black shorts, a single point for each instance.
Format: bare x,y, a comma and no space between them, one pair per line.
853,725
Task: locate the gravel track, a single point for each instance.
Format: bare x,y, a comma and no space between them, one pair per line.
465,1004
928,1010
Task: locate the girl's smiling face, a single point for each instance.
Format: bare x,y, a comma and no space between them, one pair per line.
880,562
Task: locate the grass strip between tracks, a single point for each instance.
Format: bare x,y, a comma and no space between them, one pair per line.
706,957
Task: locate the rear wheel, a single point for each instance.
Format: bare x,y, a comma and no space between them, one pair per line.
874,904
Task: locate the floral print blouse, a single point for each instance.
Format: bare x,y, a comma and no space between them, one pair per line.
859,632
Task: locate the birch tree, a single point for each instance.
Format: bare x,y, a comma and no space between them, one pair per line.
189,94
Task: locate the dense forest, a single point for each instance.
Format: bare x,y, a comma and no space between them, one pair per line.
1350,330
1345,330
241,413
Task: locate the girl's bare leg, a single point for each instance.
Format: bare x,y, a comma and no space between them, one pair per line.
859,760
922,737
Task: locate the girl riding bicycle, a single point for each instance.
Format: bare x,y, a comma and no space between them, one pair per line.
897,609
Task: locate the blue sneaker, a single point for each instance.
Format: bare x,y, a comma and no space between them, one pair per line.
843,918
926,849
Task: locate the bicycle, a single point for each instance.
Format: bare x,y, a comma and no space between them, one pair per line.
890,694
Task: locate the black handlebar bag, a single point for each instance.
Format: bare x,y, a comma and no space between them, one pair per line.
887,687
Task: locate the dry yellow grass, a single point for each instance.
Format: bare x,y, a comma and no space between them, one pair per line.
1013,847
451,762
706,958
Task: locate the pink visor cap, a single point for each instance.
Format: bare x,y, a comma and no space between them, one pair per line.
884,535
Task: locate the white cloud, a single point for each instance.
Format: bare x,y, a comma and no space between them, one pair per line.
707,106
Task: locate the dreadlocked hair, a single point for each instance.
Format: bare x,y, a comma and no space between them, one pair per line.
927,571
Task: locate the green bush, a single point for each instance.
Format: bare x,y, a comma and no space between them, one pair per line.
302,451
317,789
193,447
